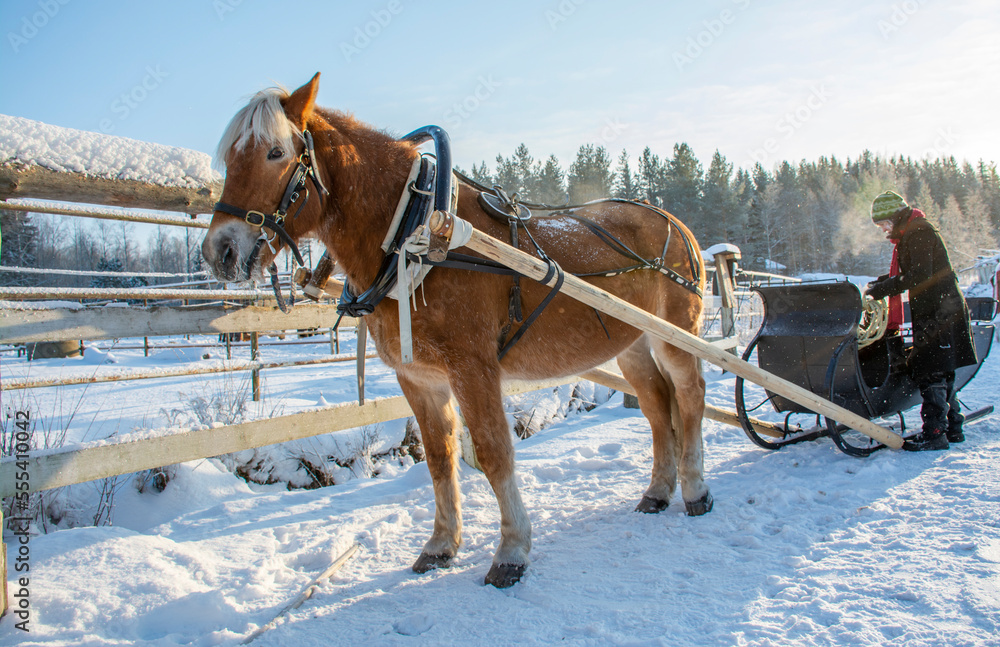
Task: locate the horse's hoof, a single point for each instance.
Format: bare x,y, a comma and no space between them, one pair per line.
427,562
701,506
505,576
649,505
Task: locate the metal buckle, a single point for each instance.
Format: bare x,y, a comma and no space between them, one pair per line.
258,221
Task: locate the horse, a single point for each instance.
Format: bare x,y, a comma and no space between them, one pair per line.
462,317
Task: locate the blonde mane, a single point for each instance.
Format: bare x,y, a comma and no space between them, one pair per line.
262,119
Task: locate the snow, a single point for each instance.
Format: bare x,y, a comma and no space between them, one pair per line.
805,546
719,248
28,142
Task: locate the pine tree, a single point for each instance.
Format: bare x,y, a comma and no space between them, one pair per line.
650,178
115,265
20,239
755,245
626,187
550,187
590,176
683,197
518,173
482,175
720,206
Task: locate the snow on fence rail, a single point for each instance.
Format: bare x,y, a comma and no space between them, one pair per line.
51,163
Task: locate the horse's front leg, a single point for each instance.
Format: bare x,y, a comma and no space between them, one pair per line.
430,400
477,388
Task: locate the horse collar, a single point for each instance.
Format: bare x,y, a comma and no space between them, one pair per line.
430,186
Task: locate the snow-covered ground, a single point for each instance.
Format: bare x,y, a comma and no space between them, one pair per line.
805,546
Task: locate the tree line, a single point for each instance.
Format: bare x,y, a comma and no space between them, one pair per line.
82,244
807,217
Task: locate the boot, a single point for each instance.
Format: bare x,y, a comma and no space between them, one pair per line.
955,417
926,441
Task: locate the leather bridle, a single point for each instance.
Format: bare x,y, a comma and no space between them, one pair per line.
304,170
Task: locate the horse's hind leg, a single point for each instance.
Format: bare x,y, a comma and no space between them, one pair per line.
477,389
432,406
683,370
655,395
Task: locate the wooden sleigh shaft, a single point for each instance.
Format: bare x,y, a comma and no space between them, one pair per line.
441,223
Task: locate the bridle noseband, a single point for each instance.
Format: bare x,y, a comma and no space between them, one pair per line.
305,170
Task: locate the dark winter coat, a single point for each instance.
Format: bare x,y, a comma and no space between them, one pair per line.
942,336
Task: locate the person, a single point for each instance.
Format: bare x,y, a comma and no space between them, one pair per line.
942,335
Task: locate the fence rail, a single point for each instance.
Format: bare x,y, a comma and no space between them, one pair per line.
62,324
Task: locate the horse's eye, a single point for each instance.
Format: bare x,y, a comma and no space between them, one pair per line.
275,153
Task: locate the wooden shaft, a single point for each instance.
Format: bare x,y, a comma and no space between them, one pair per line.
630,314
619,383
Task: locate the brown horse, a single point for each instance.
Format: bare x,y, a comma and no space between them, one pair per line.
457,333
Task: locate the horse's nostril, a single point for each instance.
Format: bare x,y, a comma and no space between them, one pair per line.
226,258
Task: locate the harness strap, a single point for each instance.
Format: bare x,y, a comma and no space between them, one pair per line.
261,220
554,270
642,264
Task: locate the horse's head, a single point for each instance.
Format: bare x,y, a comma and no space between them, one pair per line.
273,194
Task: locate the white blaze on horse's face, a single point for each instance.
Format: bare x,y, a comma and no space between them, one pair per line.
256,177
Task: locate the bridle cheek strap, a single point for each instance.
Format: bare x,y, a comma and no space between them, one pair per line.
305,170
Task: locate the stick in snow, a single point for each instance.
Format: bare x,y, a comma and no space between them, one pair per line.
306,593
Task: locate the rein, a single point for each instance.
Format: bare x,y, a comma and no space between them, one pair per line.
305,170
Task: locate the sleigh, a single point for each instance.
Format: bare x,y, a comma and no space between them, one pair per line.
809,336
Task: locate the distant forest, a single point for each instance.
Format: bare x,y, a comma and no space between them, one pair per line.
809,217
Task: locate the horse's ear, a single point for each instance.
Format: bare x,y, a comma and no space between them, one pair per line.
299,105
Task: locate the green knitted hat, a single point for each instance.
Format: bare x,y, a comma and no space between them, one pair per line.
887,205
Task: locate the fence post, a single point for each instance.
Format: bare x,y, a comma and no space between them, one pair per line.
255,373
725,269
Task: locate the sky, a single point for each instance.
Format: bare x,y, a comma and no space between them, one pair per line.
758,81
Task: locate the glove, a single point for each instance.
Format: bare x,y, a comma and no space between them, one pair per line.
878,289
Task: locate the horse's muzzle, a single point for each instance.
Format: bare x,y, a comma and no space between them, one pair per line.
224,257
